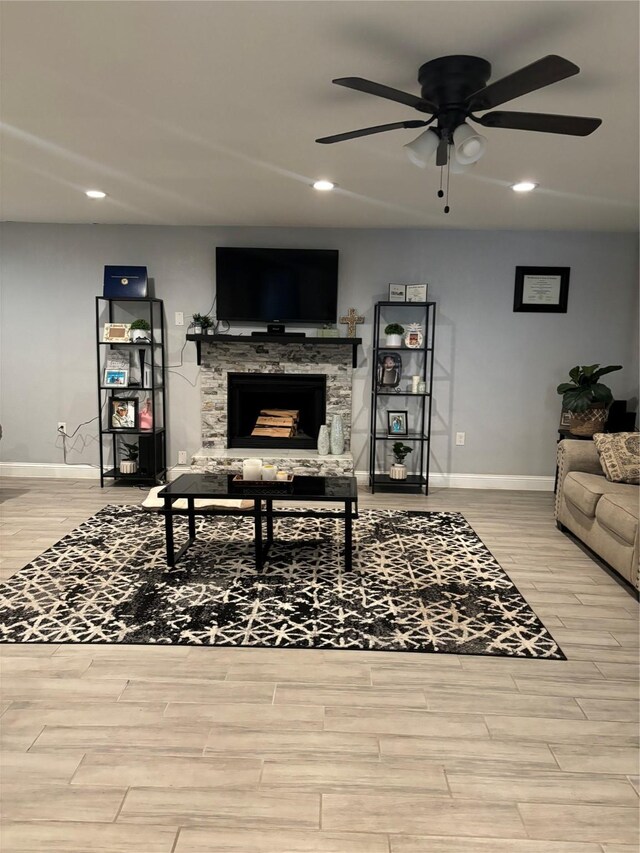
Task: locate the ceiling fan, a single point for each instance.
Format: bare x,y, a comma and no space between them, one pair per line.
454,89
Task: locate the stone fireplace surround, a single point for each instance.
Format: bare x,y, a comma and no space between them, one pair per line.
219,358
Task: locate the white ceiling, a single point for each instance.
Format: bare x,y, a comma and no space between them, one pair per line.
205,113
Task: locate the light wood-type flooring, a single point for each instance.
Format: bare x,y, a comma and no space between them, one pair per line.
116,749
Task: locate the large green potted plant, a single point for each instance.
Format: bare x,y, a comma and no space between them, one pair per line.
587,398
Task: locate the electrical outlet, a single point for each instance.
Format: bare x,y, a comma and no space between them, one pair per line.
460,437
179,318
62,427
182,457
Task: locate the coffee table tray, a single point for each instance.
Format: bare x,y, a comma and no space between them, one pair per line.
266,487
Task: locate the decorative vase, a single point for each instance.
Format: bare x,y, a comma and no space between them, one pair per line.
196,330
128,466
337,435
323,441
398,471
393,340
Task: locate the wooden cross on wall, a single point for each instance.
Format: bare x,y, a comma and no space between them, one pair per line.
351,320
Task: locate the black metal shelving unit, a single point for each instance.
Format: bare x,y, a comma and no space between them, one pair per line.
419,417
152,459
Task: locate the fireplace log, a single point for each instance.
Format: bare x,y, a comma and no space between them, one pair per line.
277,422
281,413
273,432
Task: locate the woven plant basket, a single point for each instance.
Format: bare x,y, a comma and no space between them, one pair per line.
589,422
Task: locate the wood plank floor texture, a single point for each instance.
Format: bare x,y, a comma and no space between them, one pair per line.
116,749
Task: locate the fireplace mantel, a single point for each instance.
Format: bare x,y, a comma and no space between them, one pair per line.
275,339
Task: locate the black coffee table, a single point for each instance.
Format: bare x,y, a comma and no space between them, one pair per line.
203,486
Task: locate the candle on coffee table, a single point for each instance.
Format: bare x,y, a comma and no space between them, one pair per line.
269,471
252,469
282,475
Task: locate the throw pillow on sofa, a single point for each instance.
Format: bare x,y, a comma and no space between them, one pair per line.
619,454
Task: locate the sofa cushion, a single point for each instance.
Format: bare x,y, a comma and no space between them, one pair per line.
619,512
619,456
585,490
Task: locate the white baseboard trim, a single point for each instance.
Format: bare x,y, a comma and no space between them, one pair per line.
49,469
512,482
66,472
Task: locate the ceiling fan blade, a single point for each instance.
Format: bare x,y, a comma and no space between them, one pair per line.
442,153
542,73
367,131
542,122
371,88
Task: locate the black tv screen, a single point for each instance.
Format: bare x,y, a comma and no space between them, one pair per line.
271,285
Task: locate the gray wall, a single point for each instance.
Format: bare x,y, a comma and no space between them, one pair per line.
496,371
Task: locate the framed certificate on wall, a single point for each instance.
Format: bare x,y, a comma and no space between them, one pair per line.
541,289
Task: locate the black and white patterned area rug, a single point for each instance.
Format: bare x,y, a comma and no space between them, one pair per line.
421,582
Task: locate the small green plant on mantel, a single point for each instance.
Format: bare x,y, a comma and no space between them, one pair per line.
394,329
585,391
400,451
202,322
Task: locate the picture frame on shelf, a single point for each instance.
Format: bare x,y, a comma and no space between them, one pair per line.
416,292
389,370
541,290
565,419
397,422
116,333
397,293
116,378
413,336
124,413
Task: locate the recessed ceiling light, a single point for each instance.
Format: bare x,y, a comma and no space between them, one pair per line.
523,187
95,194
324,186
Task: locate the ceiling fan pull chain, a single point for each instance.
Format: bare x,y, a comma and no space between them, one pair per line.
440,193
446,201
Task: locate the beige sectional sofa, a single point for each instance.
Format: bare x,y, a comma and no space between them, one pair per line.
602,514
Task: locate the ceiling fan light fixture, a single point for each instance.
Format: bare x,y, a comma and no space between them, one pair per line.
469,145
457,168
323,186
95,194
523,186
422,149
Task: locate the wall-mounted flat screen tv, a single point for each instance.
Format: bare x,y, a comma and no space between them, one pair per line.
277,285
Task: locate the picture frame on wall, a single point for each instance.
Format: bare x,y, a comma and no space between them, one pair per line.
397,422
124,413
116,378
541,290
397,293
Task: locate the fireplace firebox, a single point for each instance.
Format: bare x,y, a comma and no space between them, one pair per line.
248,393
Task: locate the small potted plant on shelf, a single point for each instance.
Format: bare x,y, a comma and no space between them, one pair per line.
139,331
587,398
398,470
129,462
198,324
207,325
394,333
